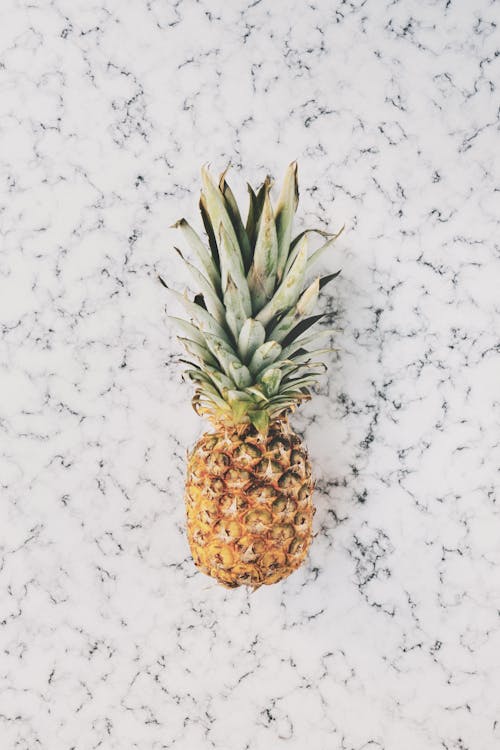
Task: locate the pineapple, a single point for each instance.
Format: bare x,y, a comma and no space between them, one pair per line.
249,486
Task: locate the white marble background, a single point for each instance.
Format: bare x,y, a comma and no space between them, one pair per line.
389,638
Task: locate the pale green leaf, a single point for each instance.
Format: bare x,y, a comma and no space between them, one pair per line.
271,380
285,210
288,292
212,301
262,274
319,252
232,266
235,216
260,420
304,306
197,246
252,335
263,356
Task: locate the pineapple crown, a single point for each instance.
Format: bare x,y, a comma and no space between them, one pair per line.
249,329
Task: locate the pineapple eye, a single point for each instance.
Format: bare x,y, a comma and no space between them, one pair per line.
281,532
237,477
228,504
268,468
220,555
300,520
273,559
279,446
304,493
207,515
289,480
297,459
250,547
228,530
258,520
200,537
279,505
247,451
284,505
218,462
262,494
296,546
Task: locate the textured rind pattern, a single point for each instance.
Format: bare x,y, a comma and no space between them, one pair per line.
248,503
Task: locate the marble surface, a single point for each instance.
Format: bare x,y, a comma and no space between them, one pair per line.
389,637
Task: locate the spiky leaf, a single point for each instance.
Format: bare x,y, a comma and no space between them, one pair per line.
200,251
263,272
212,301
264,355
235,216
252,335
288,291
249,319
285,211
260,420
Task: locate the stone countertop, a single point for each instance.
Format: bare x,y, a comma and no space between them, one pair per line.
389,636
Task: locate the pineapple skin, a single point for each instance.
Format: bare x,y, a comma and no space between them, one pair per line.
249,503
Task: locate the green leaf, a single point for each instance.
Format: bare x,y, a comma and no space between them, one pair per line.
285,210
255,207
235,395
235,216
283,365
197,350
279,403
212,301
200,251
207,323
210,230
218,214
271,380
293,343
252,335
229,362
263,356
295,242
251,221
260,420
256,392
219,379
306,359
222,351
189,329
236,313
241,403
208,390
301,328
232,266
262,274
288,291
240,374
319,252
297,239
324,280
304,306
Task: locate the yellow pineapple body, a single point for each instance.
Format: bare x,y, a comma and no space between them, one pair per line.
249,503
